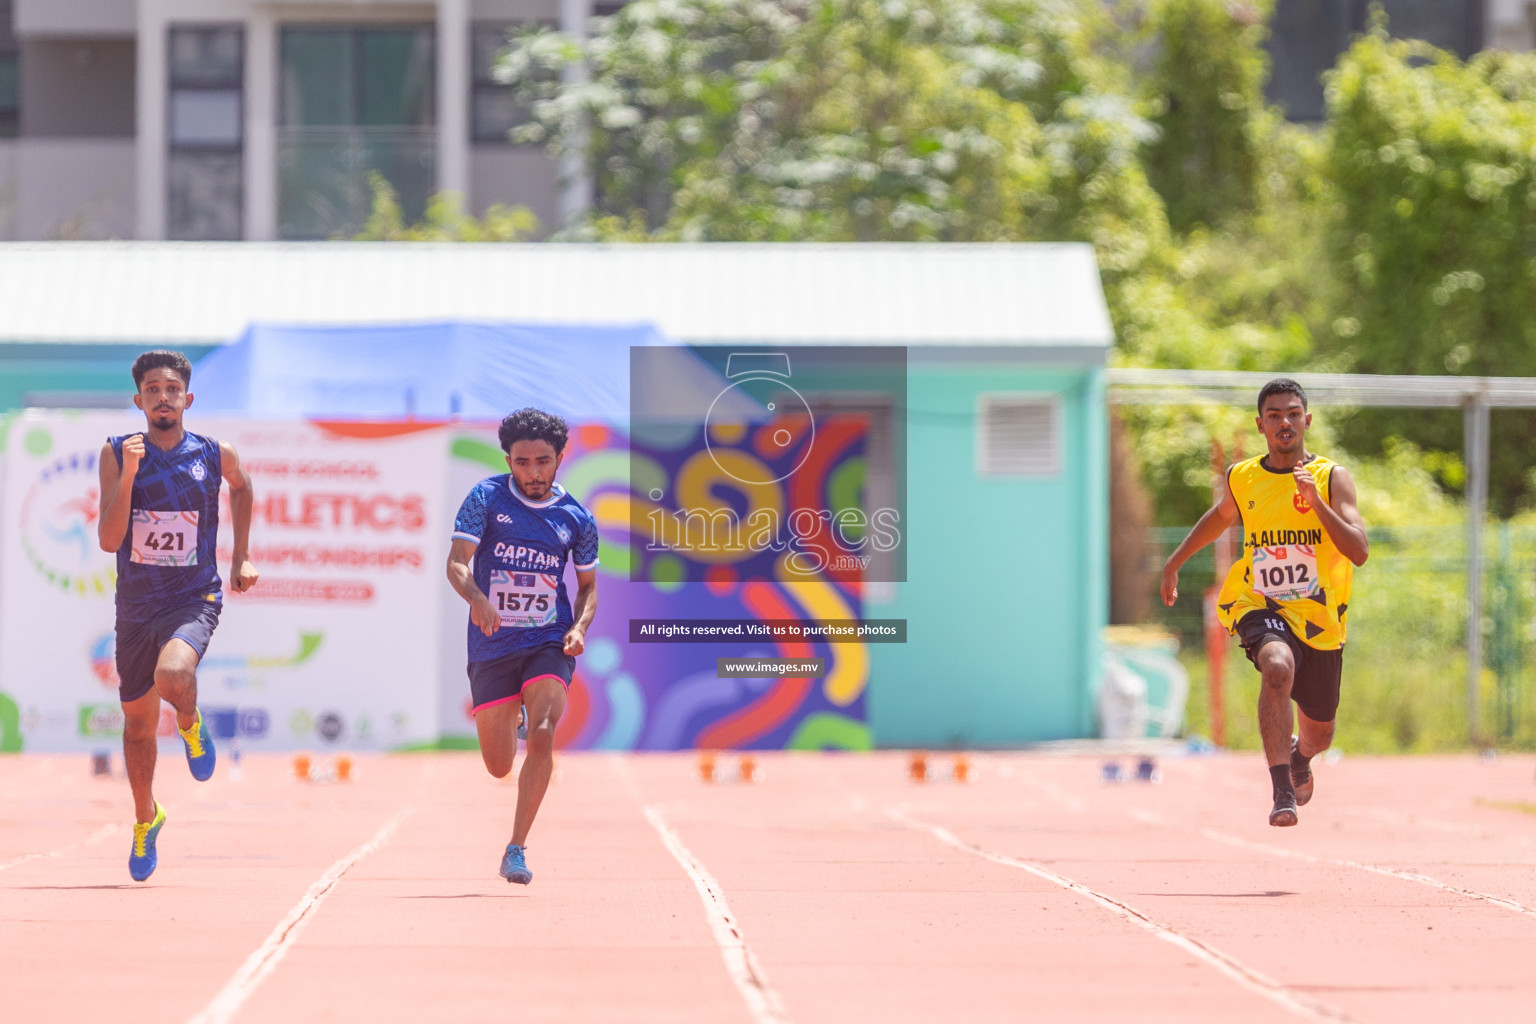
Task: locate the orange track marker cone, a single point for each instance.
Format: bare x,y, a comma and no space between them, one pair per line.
962,768
918,769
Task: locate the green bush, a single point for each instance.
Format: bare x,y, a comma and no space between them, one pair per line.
1433,232
1206,94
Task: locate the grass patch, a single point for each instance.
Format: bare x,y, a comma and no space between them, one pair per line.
444,743
1388,704
1506,805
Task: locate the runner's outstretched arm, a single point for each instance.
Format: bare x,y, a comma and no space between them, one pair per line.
1221,516
585,608
462,577
1339,515
242,499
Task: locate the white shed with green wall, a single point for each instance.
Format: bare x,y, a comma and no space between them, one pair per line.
1006,463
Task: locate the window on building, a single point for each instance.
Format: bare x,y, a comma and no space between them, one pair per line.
1019,435
1306,38
492,110
205,131
354,102
10,75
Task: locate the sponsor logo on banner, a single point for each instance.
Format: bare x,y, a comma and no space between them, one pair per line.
330,726
101,721
228,722
253,722
58,526
103,658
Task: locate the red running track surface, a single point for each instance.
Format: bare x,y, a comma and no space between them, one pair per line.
833,890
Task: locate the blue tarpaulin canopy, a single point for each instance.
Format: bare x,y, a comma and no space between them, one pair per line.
475,370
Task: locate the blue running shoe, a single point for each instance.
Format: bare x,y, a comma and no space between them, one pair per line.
142,859
199,746
522,724
513,867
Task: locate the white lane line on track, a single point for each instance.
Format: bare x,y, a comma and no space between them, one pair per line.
1375,869
271,952
1247,977
762,1001
105,832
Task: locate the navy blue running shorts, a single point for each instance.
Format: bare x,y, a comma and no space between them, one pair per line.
502,679
139,643
1315,685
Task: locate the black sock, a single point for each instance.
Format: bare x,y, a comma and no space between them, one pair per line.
1280,775
1298,763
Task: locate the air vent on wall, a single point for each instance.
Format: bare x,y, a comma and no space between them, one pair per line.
1019,435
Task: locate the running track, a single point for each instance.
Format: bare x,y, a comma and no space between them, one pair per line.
833,890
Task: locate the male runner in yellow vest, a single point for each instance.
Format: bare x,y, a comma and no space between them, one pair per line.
1286,598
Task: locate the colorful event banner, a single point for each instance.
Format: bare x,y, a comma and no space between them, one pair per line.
353,638
336,646
648,696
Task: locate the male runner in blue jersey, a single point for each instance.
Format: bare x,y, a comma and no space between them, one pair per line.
519,529
160,513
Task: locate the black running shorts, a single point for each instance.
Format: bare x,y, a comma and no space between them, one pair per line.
139,643
1315,687
502,679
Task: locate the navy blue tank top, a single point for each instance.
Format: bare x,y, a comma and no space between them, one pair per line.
168,555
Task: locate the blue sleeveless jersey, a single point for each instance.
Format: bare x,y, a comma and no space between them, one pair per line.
168,555
522,548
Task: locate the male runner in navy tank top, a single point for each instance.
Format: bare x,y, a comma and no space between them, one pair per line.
520,529
160,513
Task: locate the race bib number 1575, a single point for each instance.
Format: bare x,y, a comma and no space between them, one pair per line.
524,599
164,538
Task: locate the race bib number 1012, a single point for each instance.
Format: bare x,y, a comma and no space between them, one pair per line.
164,538
1285,573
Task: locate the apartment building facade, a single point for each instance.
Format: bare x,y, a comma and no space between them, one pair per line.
264,119
255,120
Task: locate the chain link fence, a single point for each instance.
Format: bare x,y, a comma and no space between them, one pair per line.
1405,672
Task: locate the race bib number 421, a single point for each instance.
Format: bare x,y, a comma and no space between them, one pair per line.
524,599
1285,573
164,538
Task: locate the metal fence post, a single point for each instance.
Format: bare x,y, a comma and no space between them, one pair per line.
1475,417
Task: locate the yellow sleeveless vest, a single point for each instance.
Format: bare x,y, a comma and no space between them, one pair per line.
1289,565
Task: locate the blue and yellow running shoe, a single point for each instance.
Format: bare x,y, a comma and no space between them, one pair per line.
513,867
141,859
199,744
522,723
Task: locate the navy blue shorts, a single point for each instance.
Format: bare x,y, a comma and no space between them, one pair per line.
502,679
139,643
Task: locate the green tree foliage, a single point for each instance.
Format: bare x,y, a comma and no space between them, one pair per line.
443,221
1433,230
1207,101
1397,239
851,120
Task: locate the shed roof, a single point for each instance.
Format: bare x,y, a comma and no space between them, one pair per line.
1017,295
